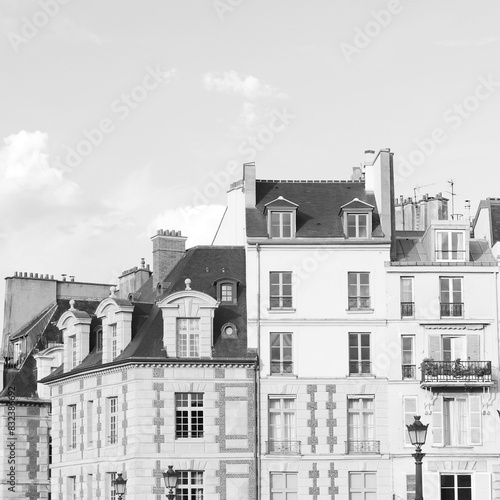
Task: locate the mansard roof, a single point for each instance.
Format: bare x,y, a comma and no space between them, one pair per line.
319,205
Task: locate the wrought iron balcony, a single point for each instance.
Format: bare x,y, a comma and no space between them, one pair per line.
354,447
456,373
283,447
360,367
407,309
409,371
359,303
452,309
281,367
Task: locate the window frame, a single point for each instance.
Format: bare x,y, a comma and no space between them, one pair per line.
113,333
413,369
283,429
361,363
284,366
234,291
187,481
281,213
112,406
283,492
188,343
281,297
72,427
439,251
358,304
364,433
357,226
189,416
455,475
72,494
365,489
450,312
407,305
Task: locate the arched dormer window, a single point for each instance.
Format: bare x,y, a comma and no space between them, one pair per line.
357,219
281,218
227,291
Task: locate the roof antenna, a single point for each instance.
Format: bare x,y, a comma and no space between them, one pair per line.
453,194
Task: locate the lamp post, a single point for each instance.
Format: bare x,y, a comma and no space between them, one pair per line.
170,477
120,486
418,432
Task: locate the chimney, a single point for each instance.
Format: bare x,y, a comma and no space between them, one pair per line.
133,279
168,248
249,174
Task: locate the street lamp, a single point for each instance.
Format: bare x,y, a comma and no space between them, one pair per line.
170,477
418,432
120,486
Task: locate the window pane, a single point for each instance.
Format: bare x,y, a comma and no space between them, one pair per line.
464,481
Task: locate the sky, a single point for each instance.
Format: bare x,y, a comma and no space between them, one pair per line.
120,117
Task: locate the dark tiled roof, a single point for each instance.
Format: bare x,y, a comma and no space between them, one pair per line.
319,203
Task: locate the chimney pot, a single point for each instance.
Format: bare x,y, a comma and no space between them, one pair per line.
15,274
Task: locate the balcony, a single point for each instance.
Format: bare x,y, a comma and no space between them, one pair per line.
407,309
408,371
281,368
456,373
452,309
362,447
357,303
283,447
360,368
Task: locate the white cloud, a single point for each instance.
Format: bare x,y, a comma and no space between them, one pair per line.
248,86
198,223
478,42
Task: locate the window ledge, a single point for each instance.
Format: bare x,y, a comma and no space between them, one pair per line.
361,375
360,311
283,375
281,310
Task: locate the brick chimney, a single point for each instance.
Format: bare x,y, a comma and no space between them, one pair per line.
249,174
168,248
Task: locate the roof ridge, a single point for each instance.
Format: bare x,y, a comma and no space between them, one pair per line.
314,181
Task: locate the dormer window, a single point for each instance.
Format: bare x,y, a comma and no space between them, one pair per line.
357,219
281,218
357,225
188,337
226,291
450,245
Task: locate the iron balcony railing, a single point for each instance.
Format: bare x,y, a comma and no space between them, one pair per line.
281,367
407,309
452,309
359,302
283,447
360,367
354,447
409,371
456,372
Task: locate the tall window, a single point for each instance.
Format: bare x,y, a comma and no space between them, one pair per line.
90,425
72,344
72,487
89,487
409,412
280,289
114,341
112,491
450,291
456,486
362,486
407,300
98,338
282,426
188,337
453,348
281,224
284,486
455,418
359,353
359,290
190,485
189,415
361,425
281,353
113,420
72,427
408,356
357,225
17,351
450,245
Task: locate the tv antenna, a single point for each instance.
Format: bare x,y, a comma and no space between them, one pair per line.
418,188
453,194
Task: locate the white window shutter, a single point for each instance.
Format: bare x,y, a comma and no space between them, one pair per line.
473,347
434,347
410,410
475,419
437,422
482,482
431,485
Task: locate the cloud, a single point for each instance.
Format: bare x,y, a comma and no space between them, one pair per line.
249,116
198,223
248,86
478,42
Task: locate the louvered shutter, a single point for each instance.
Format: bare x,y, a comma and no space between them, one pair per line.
482,481
437,422
475,419
431,485
435,347
473,347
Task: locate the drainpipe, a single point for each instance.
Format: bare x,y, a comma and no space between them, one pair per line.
257,388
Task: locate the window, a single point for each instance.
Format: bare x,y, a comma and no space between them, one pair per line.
361,425
409,412
450,291
407,301
188,337
362,486
408,356
72,427
189,415
98,339
112,491
113,420
359,353
450,245
282,426
359,290
453,348
89,487
114,341
456,487
455,421
17,351
284,486
72,487
190,485
281,225
281,353
357,225
72,347
411,486
226,291
90,425
280,289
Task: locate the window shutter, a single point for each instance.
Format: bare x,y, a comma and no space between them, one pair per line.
473,347
431,485
435,347
410,410
437,422
475,420
482,482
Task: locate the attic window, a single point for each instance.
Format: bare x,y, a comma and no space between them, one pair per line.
229,331
281,217
98,338
357,225
226,292
357,219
